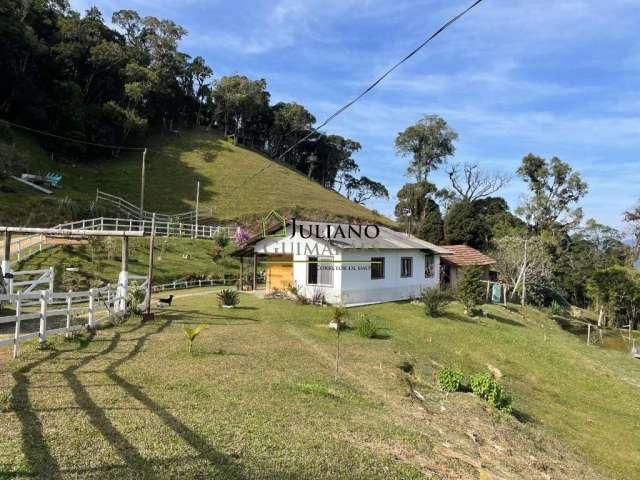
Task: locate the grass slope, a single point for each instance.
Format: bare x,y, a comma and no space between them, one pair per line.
175,258
257,399
228,188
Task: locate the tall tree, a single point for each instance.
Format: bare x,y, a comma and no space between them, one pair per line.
291,121
632,217
429,142
362,189
417,212
239,103
555,188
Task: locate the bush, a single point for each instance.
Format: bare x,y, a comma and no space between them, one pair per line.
228,297
557,309
367,327
297,294
435,299
470,290
449,379
339,314
11,161
135,298
486,387
221,238
5,132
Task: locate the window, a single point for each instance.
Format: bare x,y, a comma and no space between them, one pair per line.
377,268
406,267
319,273
428,265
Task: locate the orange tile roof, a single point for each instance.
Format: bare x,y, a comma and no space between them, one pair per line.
463,255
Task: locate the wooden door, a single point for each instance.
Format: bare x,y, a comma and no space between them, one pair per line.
279,275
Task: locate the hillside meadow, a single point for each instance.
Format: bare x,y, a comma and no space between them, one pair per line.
236,183
257,398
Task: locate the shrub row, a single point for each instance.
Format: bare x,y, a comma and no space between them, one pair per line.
481,384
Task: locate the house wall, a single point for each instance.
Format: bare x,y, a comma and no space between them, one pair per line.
300,250
359,288
352,283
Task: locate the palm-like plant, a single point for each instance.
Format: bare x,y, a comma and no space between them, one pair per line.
228,297
192,332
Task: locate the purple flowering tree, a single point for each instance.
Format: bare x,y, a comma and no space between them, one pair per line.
241,235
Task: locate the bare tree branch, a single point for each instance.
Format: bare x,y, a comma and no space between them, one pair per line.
471,183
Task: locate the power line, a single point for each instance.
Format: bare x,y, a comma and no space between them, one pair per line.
370,87
41,132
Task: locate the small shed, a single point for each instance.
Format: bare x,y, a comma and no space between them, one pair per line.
464,256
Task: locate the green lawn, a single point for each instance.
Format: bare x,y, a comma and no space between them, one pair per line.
175,258
257,399
229,189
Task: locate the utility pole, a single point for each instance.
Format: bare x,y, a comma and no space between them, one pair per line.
150,271
524,275
197,207
144,158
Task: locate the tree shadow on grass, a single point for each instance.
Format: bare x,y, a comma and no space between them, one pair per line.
36,451
96,414
196,316
459,318
40,461
197,442
506,321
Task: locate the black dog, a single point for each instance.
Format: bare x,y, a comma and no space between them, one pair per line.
166,300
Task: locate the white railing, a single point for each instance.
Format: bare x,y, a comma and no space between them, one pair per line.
24,247
184,284
65,307
132,211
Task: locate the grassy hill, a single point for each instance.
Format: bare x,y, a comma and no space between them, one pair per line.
229,189
257,398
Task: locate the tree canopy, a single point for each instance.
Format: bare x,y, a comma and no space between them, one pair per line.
428,143
75,75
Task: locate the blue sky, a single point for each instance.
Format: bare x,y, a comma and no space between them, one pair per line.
512,77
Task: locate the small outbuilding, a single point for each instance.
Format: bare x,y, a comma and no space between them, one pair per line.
462,256
345,264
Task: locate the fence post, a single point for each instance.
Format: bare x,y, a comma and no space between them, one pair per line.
200,283
108,294
91,302
174,284
588,334
16,338
51,277
69,304
42,335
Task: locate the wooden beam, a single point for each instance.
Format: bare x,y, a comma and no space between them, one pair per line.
7,246
150,271
255,270
68,232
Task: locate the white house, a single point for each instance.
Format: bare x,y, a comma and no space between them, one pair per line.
349,264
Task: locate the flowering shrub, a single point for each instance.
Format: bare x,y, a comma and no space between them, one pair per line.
241,235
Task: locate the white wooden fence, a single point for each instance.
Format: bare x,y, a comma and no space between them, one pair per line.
24,247
43,277
184,284
65,307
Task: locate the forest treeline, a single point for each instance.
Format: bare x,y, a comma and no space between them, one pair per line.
72,74
569,260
